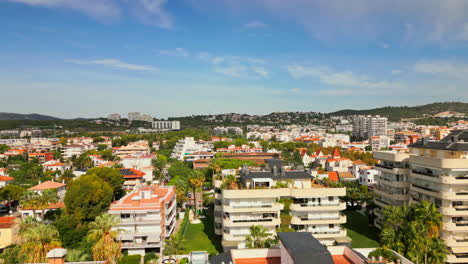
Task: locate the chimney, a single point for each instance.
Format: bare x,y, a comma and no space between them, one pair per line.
57,256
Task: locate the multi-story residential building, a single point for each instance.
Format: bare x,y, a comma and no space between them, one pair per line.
76,150
141,163
9,227
166,125
134,116
436,171
188,145
240,149
138,148
146,118
147,217
369,126
41,157
315,208
115,117
228,130
379,142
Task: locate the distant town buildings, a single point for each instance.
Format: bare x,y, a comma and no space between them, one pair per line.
228,131
134,116
188,145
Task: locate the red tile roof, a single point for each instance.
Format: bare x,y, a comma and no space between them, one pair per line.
6,178
129,173
359,162
47,185
51,206
340,259
273,260
7,221
333,176
336,153
158,195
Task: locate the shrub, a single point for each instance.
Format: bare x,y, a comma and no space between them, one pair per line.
130,259
150,256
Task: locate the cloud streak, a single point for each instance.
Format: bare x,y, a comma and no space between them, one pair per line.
236,66
114,63
177,52
150,12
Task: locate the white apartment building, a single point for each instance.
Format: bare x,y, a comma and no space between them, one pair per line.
148,216
228,130
369,126
115,117
315,208
367,176
137,148
436,171
71,150
132,116
166,125
188,145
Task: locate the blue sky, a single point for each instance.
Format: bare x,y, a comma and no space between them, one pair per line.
88,58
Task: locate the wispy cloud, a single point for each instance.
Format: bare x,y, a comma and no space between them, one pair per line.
346,78
114,63
177,52
255,24
236,66
442,68
98,9
151,12
396,72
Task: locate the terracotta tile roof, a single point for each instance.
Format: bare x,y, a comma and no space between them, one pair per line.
158,196
47,185
340,259
273,260
51,206
336,153
345,174
55,164
6,178
129,173
7,221
333,176
359,162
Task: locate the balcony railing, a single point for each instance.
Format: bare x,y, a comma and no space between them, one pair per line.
253,220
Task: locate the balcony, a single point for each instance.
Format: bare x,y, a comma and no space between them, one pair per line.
425,176
241,222
457,226
331,234
455,179
455,259
134,245
304,207
391,195
140,221
426,191
253,208
390,170
392,182
455,211
460,195
431,162
310,221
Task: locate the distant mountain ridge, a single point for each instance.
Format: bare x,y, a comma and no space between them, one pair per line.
14,116
399,112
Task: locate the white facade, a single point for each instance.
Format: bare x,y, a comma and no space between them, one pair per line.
189,145
132,116
367,176
369,126
141,163
166,125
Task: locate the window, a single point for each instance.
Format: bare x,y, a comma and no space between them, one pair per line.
124,216
331,226
330,198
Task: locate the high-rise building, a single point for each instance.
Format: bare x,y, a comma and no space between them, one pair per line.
146,118
366,127
134,116
314,208
435,171
115,117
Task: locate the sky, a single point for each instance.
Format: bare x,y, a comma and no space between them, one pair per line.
90,58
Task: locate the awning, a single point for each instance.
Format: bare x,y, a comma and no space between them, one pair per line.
153,239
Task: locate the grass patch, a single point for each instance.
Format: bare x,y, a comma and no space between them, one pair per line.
201,237
362,234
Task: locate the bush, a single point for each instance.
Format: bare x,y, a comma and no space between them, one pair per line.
130,259
385,253
184,261
150,256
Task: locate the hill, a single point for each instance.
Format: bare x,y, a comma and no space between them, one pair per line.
399,112
14,116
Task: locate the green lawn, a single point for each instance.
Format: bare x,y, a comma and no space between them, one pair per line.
359,230
201,237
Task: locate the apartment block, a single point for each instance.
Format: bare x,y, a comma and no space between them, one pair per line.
189,145
436,171
314,208
147,217
166,125
369,126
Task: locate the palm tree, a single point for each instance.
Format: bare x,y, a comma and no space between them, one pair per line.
76,255
174,245
430,216
45,199
38,240
31,201
258,237
104,234
438,252
196,182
